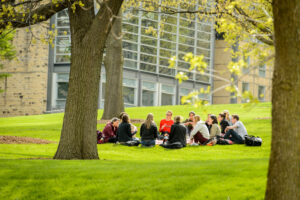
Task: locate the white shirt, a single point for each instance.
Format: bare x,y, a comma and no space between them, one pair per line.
202,128
240,129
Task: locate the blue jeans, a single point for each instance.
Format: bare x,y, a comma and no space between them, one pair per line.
235,137
147,143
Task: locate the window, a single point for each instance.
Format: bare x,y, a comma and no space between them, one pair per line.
261,93
245,88
62,90
167,95
183,92
149,93
129,91
262,70
246,69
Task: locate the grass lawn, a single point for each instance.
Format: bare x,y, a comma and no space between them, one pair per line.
203,172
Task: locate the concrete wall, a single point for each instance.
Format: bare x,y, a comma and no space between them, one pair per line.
26,89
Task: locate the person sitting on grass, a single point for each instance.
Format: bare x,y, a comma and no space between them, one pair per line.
189,122
177,136
214,131
124,133
237,132
165,125
148,131
200,133
228,117
206,122
110,131
133,127
223,122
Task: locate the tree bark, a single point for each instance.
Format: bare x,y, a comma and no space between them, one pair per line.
88,37
284,165
113,62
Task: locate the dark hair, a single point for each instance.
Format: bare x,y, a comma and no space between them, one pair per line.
236,117
214,118
222,115
177,119
192,112
125,118
121,115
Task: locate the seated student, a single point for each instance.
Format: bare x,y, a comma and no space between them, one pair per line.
237,131
133,127
200,133
189,122
148,131
124,130
223,122
206,122
165,124
228,117
177,136
110,131
215,129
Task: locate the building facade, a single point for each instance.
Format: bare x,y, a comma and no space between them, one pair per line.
39,81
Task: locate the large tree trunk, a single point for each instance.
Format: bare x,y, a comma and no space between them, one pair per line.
88,37
284,166
113,62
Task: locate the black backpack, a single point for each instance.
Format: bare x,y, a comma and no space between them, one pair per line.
251,140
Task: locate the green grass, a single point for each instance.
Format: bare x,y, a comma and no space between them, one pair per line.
204,172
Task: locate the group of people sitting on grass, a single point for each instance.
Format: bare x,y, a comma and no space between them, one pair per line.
221,129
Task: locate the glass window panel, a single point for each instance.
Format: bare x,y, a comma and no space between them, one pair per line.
168,45
167,71
130,37
201,77
130,55
184,91
129,46
63,13
148,58
245,87
63,22
128,95
262,70
183,65
62,90
129,82
170,28
62,58
261,93
166,53
206,53
166,99
149,85
149,41
148,98
164,61
203,36
187,23
188,74
185,48
186,40
203,27
169,19
131,19
130,64
130,28
203,44
147,67
62,31
62,77
187,32
168,89
63,41
63,49
168,36
60,104
149,50
148,23
149,15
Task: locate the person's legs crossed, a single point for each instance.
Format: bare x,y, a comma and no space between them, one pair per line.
235,137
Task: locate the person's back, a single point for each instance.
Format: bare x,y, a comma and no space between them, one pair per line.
178,134
240,129
215,131
148,133
124,130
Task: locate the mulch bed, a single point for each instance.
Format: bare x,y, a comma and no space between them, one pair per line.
22,140
134,121
263,118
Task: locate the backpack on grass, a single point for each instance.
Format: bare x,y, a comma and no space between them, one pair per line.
99,137
251,140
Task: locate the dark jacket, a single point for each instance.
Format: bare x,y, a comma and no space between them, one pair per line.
178,134
190,126
124,132
224,123
148,134
208,126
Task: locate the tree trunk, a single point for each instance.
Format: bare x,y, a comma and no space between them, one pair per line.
113,62
88,37
284,166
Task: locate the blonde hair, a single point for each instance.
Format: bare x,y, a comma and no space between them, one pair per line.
169,111
227,115
197,118
149,120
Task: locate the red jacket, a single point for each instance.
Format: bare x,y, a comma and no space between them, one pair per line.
109,131
167,128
